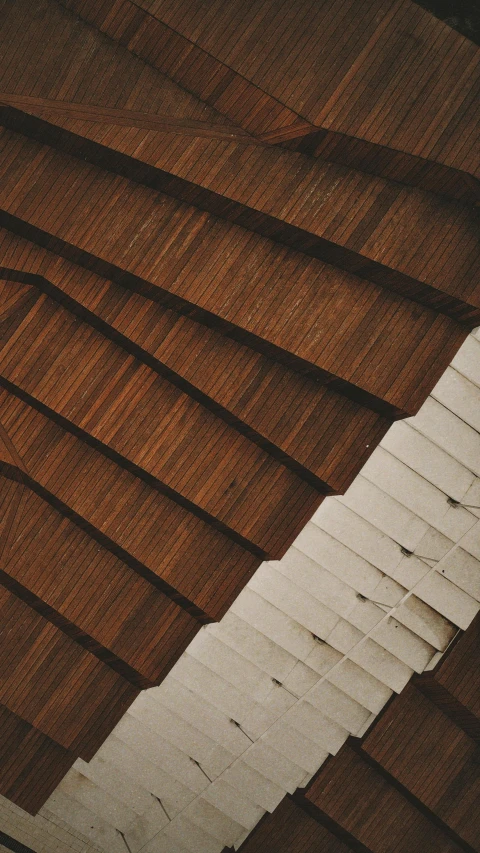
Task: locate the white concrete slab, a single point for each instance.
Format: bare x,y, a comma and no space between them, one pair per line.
338,706
253,645
279,627
278,768
461,396
388,515
444,596
423,455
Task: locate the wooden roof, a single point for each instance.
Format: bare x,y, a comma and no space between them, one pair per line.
203,332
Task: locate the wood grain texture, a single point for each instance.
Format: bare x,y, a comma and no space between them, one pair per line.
417,744
32,764
174,550
307,425
54,684
360,800
453,685
251,291
93,596
291,830
222,177
230,258
128,408
149,32
372,70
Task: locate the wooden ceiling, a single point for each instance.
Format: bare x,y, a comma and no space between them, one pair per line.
234,250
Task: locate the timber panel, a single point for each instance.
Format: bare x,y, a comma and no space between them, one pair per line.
32,764
326,433
289,829
375,71
453,686
52,683
363,803
221,177
383,347
113,611
164,541
257,111
126,406
203,333
432,758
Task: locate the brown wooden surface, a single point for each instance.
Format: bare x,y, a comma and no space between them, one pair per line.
383,348
309,426
32,764
167,42
204,332
432,758
113,611
156,537
454,685
125,406
358,798
291,830
373,70
54,684
222,177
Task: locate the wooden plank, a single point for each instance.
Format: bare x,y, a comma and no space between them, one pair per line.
188,560
52,683
49,108
234,292
322,435
125,406
148,36
432,758
32,763
351,238
91,595
451,685
363,803
289,829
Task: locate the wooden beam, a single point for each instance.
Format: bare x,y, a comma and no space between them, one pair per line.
48,107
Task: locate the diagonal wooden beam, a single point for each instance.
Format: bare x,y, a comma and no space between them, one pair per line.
150,546
126,118
316,441
45,286
258,111
231,194
9,455
157,293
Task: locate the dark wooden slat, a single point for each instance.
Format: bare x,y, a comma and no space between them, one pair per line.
307,426
452,686
382,819
123,118
249,105
374,71
55,685
32,763
92,596
144,355
191,562
291,830
127,407
337,302
433,759
351,238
